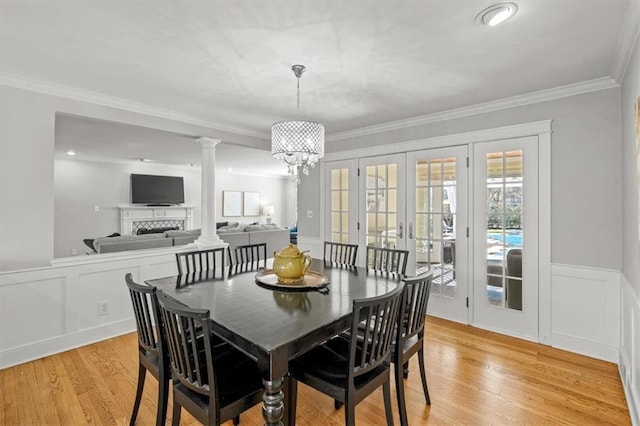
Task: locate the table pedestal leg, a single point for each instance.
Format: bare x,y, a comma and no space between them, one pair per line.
272,402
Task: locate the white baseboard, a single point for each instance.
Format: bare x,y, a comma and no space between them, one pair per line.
32,351
585,311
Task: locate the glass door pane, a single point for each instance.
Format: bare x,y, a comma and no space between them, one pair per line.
505,219
341,200
382,219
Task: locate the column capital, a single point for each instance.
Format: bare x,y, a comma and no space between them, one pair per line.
208,142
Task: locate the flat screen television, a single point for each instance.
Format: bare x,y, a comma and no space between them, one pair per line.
158,190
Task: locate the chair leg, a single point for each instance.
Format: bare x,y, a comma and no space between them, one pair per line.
236,420
423,375
349,412
163,399
142,374
337,404
406,370
386,391
175,421
402,407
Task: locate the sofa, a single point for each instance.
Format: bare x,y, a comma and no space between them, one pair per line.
235,235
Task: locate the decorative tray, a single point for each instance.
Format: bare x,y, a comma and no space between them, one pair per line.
311,281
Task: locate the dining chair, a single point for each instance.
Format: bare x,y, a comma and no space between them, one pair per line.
197,261
349,369
340,253
152,350
409,338
213,384
247,258
387,260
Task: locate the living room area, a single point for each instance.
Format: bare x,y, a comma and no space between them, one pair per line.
95,198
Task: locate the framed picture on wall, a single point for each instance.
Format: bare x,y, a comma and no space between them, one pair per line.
251,204
231,203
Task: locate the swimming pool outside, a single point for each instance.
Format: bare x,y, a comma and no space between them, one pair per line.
511,237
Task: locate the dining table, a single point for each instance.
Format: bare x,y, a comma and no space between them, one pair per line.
274,323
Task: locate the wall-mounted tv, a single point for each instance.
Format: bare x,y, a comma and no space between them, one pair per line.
158,190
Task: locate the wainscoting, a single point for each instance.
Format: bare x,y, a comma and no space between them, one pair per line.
629,362
585,311
49,310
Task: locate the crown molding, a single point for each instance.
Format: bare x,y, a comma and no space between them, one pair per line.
47,88
626,42
501,104
506,103
536,128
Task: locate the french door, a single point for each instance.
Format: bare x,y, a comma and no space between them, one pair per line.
382,203
475,225
437,210
505,248
342,202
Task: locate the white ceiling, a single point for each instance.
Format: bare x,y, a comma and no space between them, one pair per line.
368,62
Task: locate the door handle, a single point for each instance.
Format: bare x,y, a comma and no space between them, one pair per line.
400,230
410,231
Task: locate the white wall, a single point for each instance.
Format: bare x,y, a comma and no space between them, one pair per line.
82,185
275,191
630,342
62,302
27,140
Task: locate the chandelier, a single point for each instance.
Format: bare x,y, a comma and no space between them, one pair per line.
297,143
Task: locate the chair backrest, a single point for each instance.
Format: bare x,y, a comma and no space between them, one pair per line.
340,253
144,301
373,326
189,345
387,260
415,299
247,258
201,260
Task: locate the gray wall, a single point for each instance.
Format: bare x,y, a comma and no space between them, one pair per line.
630,175
585,171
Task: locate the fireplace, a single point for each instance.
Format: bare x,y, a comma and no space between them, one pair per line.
152,219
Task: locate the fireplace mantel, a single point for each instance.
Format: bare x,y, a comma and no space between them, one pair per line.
134,217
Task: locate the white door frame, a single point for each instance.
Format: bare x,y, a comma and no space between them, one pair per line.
540,129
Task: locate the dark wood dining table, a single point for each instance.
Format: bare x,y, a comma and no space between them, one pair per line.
274,326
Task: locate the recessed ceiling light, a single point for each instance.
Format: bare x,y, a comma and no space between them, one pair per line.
145,160
497,14
71,152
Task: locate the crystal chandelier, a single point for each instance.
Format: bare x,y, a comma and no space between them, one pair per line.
297,143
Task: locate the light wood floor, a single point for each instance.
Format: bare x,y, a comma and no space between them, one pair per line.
475,377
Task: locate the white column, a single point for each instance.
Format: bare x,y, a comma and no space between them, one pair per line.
208,237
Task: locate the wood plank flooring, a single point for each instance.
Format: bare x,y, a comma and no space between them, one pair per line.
475,377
